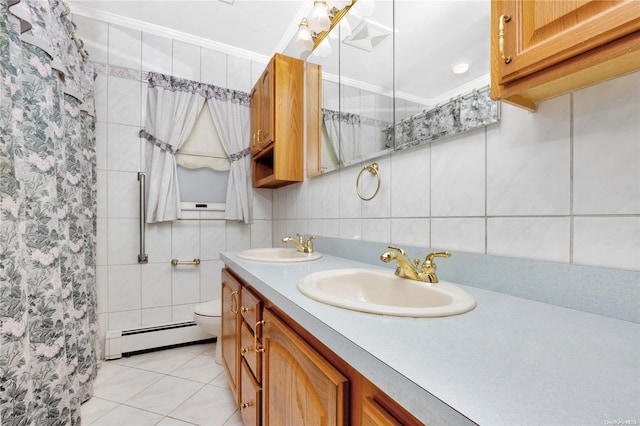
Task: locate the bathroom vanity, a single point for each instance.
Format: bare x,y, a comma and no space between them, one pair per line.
510,360
271,361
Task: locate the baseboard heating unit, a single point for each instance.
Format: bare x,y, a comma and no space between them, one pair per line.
120,343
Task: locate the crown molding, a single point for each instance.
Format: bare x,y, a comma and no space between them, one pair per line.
135,24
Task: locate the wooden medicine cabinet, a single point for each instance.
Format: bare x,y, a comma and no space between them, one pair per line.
540,49
277,124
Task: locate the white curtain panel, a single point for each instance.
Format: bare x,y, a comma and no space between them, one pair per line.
173,106
231,114
172,109
344,131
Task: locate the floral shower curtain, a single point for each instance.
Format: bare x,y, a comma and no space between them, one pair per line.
48,319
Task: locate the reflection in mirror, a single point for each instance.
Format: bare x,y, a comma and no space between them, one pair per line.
442,70
357,98
366,80
388,80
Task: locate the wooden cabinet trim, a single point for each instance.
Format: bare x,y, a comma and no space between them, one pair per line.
534,49
230,326
314,118
599,48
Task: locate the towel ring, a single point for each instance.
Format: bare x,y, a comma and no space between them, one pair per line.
373,169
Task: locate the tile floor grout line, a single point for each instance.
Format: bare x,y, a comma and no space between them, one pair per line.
120,411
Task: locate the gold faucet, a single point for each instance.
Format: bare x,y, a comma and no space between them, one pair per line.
406,269
302,245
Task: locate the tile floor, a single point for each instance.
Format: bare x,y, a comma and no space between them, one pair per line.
173,387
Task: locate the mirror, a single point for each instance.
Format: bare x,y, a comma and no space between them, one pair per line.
431,100
388,82
357,85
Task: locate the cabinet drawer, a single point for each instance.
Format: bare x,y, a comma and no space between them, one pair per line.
250,405
251,308
249,353
375,415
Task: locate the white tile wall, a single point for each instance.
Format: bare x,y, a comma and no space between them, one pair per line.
131,294
458,176
528,161
410,183
125,47
561,184
186,60
157,52
123,101
607,151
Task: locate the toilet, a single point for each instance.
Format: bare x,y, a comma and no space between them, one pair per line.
207,316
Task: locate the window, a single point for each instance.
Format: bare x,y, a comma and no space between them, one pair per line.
203,165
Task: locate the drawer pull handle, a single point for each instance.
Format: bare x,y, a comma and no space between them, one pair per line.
243,309
503,19
234,303
245,405
258,347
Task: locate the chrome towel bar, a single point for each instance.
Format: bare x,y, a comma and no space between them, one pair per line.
142,256
194,262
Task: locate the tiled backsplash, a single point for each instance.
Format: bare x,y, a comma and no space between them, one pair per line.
561,184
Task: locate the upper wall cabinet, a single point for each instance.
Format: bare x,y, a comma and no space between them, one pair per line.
540,49
277,124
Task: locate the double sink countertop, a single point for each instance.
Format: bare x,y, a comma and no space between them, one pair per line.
509,361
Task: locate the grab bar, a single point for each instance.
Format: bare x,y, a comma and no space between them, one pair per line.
194,262
142,256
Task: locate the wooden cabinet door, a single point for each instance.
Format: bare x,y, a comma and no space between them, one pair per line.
256,115
230,338
250,399
300,387
267,106
539,34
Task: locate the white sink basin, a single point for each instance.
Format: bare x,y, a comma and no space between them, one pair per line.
277,254
381,292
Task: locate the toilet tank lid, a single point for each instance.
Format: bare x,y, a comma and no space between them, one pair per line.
212,308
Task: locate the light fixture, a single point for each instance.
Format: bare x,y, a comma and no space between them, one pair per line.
319,19
303,40
461,68
345,30
323,49
313,31
339,4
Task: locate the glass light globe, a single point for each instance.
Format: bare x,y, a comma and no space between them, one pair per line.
319,19
303,40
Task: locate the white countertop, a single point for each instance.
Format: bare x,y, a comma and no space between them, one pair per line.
509,361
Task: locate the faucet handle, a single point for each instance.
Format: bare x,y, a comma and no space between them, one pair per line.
429,259
309,244
398,249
